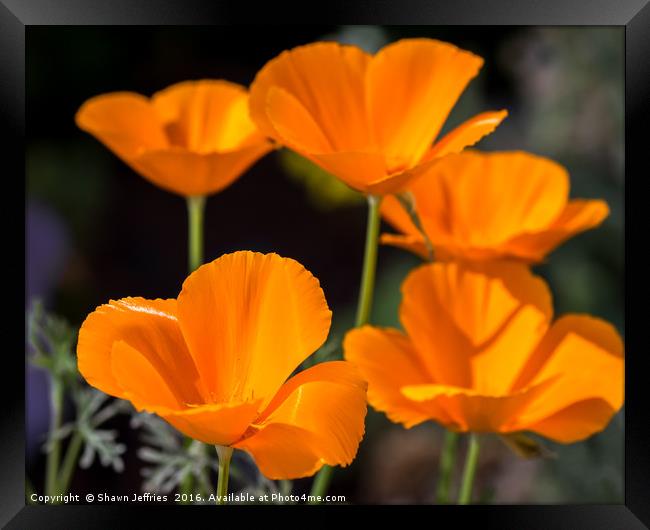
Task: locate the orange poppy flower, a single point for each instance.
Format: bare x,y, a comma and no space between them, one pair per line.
484,206
192,138
369,120
214,363
481,354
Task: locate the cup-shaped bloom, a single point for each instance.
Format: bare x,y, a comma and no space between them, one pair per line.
215,363
485,206
370,120
480,353
192,138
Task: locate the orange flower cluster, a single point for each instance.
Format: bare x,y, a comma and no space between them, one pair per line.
479,352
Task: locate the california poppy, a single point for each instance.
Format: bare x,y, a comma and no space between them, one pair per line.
193,138
215,363
485,206
369,120
481,354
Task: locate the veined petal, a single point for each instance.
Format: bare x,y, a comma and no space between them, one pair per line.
214,424
188,173
141,383
488,318
206,116
466,134
125,122
482,200
387,359
411,86
578,216
316,418
151,328
249,319
470,410
585,355
357,170
328,81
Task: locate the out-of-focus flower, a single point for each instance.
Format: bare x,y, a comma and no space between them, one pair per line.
370,120
192,138
485,206
481,354
214,363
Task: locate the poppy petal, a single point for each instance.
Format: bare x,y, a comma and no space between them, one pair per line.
411,238
466,134
470,410
585,354
575,422
482,200
328,81
141,383
214,424
206,116
295,126
125,122
249,319
355,169
490,316
387,360
151,328
188,173
317,418
578,216
411,87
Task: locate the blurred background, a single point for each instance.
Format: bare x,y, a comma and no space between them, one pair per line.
97,231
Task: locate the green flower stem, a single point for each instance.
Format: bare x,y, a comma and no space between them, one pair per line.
465,495
447,458
54,453
195,215
224,454
364,307
369,262
69,462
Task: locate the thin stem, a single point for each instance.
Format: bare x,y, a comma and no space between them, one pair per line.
364,307
54,454
465,495
224,454
447,458
369,262
69,462
195,214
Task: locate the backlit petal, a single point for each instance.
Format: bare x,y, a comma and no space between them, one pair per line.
411,87
578,216
466,134
151,328
188,173
387,360
214,424
487,320
249,319
123,121
317,418
357,170
470,410
327,79
206,116
476,202
585,354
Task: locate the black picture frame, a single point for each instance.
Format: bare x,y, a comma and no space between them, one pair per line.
634,15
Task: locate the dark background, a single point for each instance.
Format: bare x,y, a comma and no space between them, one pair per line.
97,231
